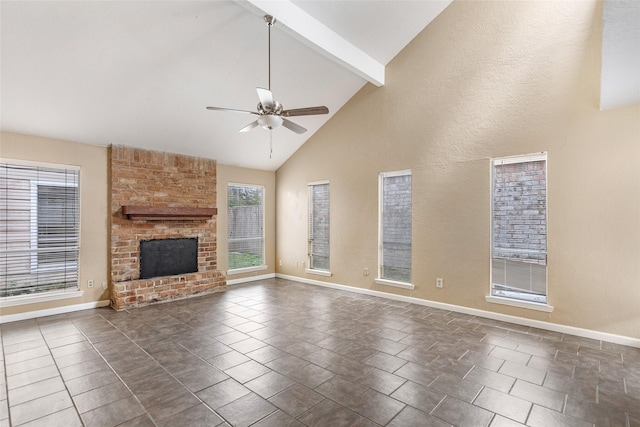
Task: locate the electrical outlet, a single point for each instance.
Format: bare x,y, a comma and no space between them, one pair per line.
439,282
89,283
104,285
366,271
280,263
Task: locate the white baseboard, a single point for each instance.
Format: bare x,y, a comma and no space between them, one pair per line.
555,327
52,311
250,279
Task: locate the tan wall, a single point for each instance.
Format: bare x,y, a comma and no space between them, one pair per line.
485,79
231,174
93,207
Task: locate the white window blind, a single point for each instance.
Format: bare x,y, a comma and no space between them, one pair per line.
395,226
245,225
39,228
319,226
519,228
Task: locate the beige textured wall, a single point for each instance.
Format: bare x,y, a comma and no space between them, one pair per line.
93,207
485,79
231,174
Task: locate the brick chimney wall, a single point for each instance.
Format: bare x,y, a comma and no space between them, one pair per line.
149,178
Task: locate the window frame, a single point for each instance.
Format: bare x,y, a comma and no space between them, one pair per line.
379,279
68,292
263,265
509,297
311,269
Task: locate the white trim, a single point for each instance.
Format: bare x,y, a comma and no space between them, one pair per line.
555,327
247,269
326,273
381,177
402,172
522,158
264,249
35,298
53,311
241,184
39,164
395,284
250,279
310,220
519,303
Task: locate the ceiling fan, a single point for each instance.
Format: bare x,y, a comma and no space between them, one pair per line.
271,114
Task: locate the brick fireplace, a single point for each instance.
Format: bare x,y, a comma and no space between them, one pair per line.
156,195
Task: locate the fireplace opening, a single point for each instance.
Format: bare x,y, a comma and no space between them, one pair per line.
168,257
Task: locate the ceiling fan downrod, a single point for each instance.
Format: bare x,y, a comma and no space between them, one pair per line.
270,20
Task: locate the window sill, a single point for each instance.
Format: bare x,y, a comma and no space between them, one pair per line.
395,284
326,273
43,297
522,304
247,269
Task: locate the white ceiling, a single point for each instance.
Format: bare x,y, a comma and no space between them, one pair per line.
142,73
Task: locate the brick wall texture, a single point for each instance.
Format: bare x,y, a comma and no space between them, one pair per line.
519,212
149,178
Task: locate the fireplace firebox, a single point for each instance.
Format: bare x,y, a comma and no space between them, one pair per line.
168,257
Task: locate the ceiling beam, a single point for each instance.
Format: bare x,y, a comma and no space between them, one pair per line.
321,38
619,76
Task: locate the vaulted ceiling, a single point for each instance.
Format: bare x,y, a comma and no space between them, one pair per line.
140,73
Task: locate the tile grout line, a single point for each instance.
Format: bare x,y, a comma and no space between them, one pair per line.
112,370
55,362
6,382
11,423
161,366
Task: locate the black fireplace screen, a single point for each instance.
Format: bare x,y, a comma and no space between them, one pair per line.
168,257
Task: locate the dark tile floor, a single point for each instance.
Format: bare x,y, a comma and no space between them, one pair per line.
280,353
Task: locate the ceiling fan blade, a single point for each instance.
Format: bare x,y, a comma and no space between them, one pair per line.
293,126
248,127
266,98
233,110
308,111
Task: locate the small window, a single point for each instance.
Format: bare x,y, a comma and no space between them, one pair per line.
245,226
319,226
395,227
519,228
39,228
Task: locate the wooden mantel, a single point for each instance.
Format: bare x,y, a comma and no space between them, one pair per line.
166,213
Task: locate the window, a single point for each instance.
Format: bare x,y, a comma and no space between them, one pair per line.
519,228
394,257
245,227
319,226
39,228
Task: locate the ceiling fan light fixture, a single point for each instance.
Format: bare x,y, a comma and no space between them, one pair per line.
270,112
269,121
